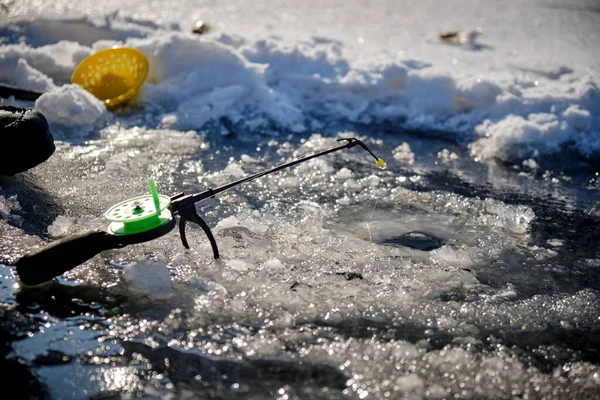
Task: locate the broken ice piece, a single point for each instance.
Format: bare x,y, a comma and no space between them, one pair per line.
149,278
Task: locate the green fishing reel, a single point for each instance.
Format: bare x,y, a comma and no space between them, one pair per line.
145,218
139,214
133,221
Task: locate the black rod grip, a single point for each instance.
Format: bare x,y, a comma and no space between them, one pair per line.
62,256
22,94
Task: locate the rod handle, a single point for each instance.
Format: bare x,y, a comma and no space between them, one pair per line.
63,255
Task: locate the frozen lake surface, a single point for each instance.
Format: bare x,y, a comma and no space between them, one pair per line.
466,269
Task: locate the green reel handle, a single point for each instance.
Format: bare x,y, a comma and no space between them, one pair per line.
63,255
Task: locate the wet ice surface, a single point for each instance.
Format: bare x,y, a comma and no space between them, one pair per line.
436,278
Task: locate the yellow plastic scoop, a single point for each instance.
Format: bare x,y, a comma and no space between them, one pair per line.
112,75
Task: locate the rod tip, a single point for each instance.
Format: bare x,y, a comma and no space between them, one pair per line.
381,163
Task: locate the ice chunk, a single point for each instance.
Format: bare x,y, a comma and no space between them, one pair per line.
234,170
516,219
72,107
7,206
344,174
289,182
404,154
446,255
245,158
149,278
530,163
238,265
554,242
61,226
577,118
273,263
515,138
228,222
446,156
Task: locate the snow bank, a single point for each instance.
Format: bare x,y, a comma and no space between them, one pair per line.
45,65
222,81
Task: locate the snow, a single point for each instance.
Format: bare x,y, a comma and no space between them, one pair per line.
71,107
484,89
21,74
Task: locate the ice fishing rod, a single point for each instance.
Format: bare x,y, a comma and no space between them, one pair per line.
139,220
7,91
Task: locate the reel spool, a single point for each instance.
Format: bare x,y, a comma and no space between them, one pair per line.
139,214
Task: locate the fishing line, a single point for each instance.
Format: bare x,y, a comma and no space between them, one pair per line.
371,216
